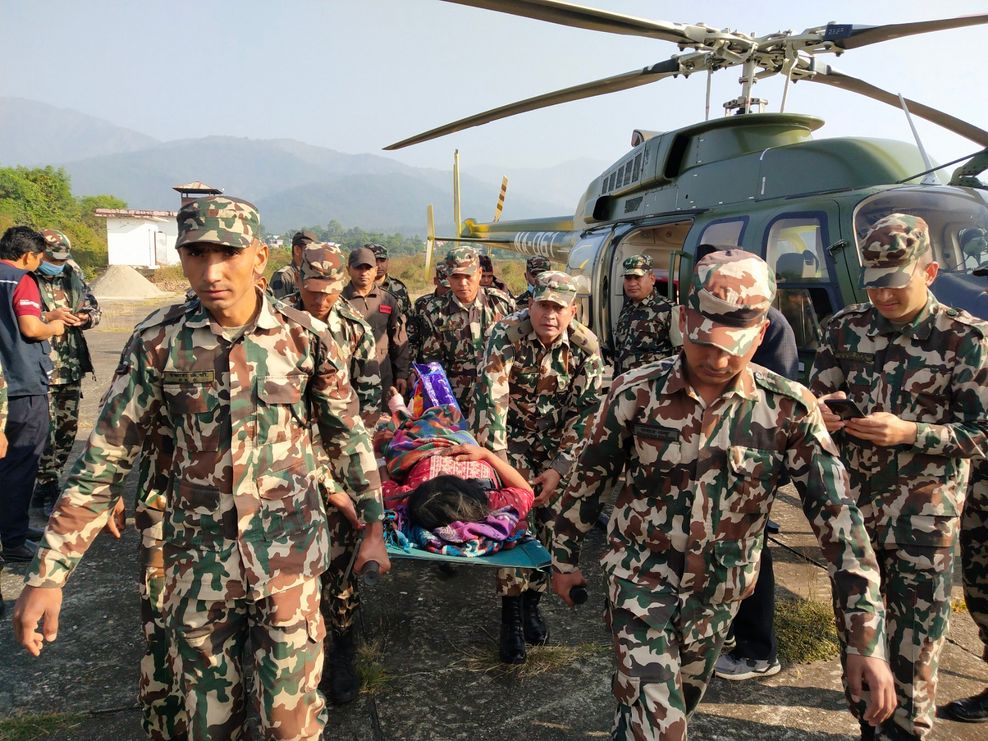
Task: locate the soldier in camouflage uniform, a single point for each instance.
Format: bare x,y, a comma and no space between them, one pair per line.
65,296
974,566
642,334
456,329
394,286
422,307
539,383
534,267
323,275
703,437
918,370
284,282
235,378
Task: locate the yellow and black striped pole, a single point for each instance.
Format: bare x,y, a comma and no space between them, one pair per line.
500,199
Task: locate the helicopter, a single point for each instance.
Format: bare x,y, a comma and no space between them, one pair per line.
752,179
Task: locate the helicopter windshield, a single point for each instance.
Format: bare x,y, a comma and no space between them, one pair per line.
958,220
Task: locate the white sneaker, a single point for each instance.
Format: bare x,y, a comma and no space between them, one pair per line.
737,667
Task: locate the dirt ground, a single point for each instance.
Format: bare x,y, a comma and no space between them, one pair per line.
429,652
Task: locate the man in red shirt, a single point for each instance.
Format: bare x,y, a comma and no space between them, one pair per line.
24,355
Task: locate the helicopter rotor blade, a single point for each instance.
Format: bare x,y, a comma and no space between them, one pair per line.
578,16
830,76
613,84
846,36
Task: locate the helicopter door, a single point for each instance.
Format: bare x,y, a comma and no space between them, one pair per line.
663,242
805,272
587,262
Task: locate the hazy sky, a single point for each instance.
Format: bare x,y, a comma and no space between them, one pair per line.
355,75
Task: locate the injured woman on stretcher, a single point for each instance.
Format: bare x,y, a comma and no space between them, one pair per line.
445,494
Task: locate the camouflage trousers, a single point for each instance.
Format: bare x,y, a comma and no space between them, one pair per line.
974,551
512,582
662,674
158,692
340,598
285,633
63,410
916,582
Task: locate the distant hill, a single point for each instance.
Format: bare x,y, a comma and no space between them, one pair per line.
33,133
294,184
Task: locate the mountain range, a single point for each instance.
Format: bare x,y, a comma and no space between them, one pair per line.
293,184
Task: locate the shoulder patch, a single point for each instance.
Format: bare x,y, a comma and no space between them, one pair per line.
963,317
782,385
582,336
517,326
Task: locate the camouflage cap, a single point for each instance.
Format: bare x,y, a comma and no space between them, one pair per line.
890,250
379,250
231,222
555,286
638,265
442,273
323,268
729,297
537,264
463,260
362,256
57,245
304,237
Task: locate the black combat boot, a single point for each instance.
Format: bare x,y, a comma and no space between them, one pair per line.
344,682
512,633
536,631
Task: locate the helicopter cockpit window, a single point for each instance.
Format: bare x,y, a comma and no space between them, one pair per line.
794,249
958,221
723,233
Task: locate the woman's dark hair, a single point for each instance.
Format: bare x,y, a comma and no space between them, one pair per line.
19,240
447,499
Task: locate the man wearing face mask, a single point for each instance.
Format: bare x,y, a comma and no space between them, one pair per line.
64,296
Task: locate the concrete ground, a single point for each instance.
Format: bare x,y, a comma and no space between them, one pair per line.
430,649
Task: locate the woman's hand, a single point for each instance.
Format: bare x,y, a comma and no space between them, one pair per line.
468,452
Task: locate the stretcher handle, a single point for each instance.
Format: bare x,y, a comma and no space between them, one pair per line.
371,572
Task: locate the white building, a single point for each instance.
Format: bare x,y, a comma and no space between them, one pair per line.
140,238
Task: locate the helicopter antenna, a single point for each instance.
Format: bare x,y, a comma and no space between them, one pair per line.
710,75
928,179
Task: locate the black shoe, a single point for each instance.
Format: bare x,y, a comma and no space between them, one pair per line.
967,710
534,627
512,633
344,682
35,534
24,553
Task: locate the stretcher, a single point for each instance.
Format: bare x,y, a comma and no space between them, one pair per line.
527,554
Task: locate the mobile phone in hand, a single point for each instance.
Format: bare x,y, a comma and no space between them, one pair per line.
844,408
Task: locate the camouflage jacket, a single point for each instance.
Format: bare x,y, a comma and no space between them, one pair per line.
687,528
535,396
642,334
355,340
522,299
399,290
416,321
284,282
932,372
69,352
243,517
456,336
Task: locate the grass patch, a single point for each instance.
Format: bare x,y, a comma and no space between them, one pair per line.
27,727
958,604
805,631
373,677
541,659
